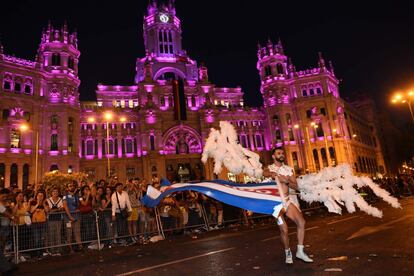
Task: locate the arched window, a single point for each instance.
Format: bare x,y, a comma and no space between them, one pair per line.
316,159
54,167
2,174
25,176
28,89
56,59
324,157
15,138
89,147
279,68
193,101
54,142
13,174
304,93
318,90
332,155
244,141
5,114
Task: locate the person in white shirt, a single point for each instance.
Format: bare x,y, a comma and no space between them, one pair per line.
55,218
121,210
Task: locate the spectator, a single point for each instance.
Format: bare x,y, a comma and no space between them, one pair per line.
38,209
55,222
87,216
5,266
103,200
71,218
121,210
134,197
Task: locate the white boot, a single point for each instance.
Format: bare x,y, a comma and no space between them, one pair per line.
289,257
300,254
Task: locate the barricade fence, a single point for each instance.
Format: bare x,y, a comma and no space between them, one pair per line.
97,229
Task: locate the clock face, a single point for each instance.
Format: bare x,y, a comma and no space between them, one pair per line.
164,18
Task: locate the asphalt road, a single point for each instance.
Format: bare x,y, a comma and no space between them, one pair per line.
350,244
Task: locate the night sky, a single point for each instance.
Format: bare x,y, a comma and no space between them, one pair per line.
370,46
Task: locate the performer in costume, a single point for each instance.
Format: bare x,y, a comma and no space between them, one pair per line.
287,181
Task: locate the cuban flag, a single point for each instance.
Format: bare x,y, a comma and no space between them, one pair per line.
263,198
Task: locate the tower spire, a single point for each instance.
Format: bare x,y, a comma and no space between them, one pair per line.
321,61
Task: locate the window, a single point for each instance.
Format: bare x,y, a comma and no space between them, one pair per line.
54,142
152,142
7,85
54,120
244,141
268,71
332,155
17,87
193,101
96,147
56,59
27,89
278,136
291,136
318,90
319,130
111,146
324,157
70,124
54,167
316,159
70,143
130,104
304,93
13,174
25,176
279,69
89,147
323,111
128,145
15,138
295,160
162,101
311,92
259,141
288,119
308,113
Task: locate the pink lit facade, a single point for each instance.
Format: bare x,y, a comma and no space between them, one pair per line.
160,123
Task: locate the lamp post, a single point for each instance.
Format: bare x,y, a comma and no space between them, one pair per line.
24,128
405,98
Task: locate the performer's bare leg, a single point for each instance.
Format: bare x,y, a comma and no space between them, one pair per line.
294,214
284,233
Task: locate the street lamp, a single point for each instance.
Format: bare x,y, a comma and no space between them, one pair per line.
407,97
24,128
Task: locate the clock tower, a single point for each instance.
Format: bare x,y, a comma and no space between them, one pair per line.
162,30
164,54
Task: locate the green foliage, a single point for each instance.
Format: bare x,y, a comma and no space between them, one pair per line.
60,180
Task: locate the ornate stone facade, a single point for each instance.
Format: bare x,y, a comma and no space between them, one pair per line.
157,127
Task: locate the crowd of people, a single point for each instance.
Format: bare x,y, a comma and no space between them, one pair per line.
56,220
65,220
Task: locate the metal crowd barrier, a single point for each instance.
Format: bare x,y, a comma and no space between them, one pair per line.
96,229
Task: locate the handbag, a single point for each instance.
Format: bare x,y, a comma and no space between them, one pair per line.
124,212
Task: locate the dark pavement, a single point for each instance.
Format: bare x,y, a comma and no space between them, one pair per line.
355,243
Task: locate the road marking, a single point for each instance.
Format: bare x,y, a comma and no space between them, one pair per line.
368,230
278,236
176,261
339,220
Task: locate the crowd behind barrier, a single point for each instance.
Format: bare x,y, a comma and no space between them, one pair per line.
97,215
